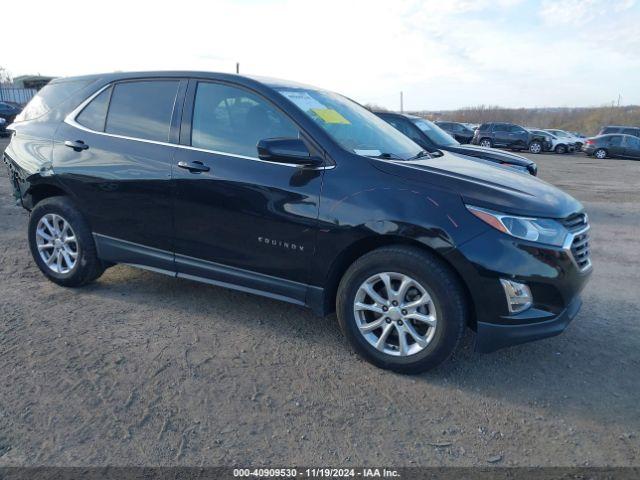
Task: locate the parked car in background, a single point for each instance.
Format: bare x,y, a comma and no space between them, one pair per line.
567,137
9,111
509,135
603,146
432,138
297,194
459,131
625,130
558,145
3,127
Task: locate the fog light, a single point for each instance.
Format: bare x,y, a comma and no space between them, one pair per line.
519,296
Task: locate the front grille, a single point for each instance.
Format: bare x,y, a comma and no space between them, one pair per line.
578,225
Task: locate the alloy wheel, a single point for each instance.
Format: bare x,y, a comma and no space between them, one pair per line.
535,147
395,314
57,243
600,154
485,143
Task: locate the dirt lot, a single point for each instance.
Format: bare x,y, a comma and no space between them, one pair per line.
142,369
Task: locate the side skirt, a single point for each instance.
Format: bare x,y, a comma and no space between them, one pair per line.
121,251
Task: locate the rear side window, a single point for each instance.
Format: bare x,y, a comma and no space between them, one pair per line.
93,116
615,140
232,120
142,109
630,131
50,97
484,127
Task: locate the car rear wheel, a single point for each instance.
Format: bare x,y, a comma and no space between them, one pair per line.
600,153
561,149
535,147
485,142
61,243
402,309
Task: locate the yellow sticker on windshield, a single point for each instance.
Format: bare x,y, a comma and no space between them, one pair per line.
329,115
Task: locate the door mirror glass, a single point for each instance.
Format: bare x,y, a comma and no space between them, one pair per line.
286,150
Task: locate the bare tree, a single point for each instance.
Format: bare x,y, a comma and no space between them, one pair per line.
5,75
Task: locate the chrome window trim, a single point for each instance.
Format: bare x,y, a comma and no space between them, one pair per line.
70,119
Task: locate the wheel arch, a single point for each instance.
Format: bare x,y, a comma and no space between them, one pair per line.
41,190
365,245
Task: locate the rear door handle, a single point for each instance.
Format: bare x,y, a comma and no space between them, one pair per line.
77,145
196,166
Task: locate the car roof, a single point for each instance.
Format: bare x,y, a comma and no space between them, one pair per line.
620,126
115,76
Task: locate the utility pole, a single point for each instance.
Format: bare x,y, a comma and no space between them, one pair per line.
619,96
401,103
237,67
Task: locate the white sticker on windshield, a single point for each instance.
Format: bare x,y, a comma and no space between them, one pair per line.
303,100
368,153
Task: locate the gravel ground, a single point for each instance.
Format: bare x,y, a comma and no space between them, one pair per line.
142,369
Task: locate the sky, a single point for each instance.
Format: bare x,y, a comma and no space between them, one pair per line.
442,54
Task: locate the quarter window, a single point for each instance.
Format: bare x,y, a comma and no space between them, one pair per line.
232,120
93,116
142,109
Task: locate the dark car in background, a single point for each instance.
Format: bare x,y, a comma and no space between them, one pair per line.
461,132
298,194
432,138
622,146
509,135
624,130
9,111
3,127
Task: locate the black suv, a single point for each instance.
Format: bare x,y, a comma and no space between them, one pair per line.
624,130
301,195
509,135
459,131
433,139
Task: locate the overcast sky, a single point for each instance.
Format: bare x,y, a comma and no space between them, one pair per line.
441,53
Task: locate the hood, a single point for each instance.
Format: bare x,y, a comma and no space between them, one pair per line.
484,185
490,154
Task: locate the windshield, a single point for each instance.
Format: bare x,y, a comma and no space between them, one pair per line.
354,127
435,133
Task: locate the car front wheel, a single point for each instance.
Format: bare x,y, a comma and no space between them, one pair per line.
402,309
61,243
535,147
600,153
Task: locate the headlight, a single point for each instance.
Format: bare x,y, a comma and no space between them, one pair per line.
541,230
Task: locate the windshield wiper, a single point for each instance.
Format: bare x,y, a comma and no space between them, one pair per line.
421,154
391,156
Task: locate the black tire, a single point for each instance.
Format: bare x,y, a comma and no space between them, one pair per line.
87,266
600,153
486,140
561,149
535,147
448,299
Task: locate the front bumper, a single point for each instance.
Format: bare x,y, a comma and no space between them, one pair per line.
551,273
492,336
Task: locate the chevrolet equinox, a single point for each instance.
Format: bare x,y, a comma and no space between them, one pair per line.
298,194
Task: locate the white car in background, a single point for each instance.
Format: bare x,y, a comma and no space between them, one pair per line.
567,137
558,144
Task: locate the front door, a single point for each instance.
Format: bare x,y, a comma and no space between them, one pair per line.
631,147
239,219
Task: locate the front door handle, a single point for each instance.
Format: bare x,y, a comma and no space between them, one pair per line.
77,145
195,166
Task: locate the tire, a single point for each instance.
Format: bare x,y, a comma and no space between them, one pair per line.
600,153
69,271
535,147
561,149
448,304
485,142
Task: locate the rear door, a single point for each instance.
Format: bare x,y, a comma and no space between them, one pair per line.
631,146
114,154
615,146
240,219
501,134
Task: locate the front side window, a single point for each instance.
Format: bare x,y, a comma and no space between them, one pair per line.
94,115
142,109
632,142
352,126
233,120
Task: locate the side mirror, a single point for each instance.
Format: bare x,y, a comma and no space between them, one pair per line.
287,150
